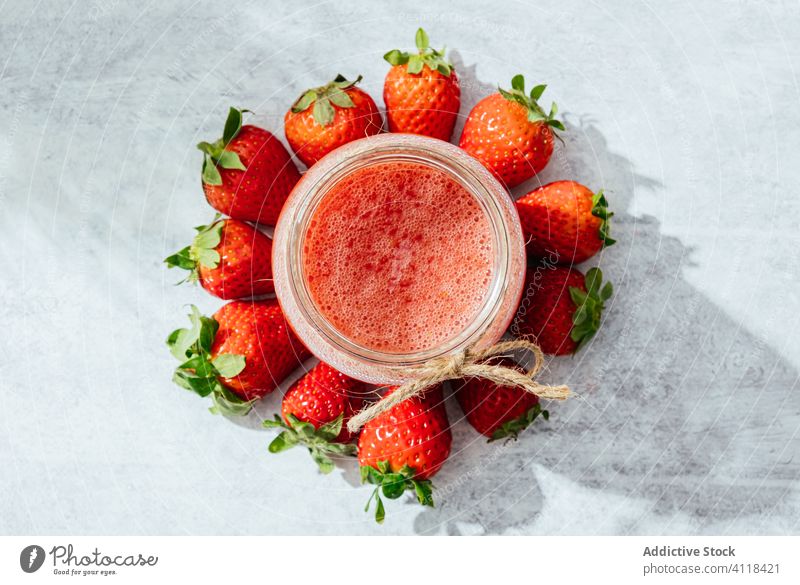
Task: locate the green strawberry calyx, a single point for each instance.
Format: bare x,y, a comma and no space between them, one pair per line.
590,305
199,372
530,102
216,154
202,251
393,484
600,209
426,56
511,429
324,98
319,441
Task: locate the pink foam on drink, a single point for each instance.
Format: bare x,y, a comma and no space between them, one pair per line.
398,257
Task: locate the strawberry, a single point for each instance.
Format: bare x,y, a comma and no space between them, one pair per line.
421,91
247,174
341,113
238,356
561,307
565,219
402,448
499,412
510,133
229,258
315,413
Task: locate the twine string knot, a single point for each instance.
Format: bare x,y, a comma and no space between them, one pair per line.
470,363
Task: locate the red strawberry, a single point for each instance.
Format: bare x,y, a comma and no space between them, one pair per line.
403,447
229,258
566,220
499,412
340,114
247,174
561,307
510,133
238,356
315,413
421,91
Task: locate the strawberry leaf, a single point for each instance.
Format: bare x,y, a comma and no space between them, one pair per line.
198,366
600,209
331,430
537,91
424,492
368,475
426,56
511,429
230,160
589,306
415,64
324,463
282,442
341,99
341,449
593,279
392,484
199,372
380,512
200,386
422,40
580,315
320,442
232,125
208,258
179,379
342,82
277,423
323,111
324,98
216,154
228,365
208,237
208,330
211,175
203,249
304,101
229,404
577,295
209,149
607,291
535,113
396,57
181,259
181,340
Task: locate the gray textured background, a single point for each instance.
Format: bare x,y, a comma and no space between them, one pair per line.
687,113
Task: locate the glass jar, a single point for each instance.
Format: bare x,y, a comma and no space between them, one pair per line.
291,285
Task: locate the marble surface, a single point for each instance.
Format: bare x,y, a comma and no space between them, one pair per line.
689,409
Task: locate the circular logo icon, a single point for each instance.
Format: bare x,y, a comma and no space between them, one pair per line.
31,558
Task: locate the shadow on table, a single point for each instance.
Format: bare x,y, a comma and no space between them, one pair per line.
679,406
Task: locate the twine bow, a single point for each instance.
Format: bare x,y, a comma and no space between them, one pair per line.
467,364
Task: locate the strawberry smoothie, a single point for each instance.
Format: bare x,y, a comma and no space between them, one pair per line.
398,257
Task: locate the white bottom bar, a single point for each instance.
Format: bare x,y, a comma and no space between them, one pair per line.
388,560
